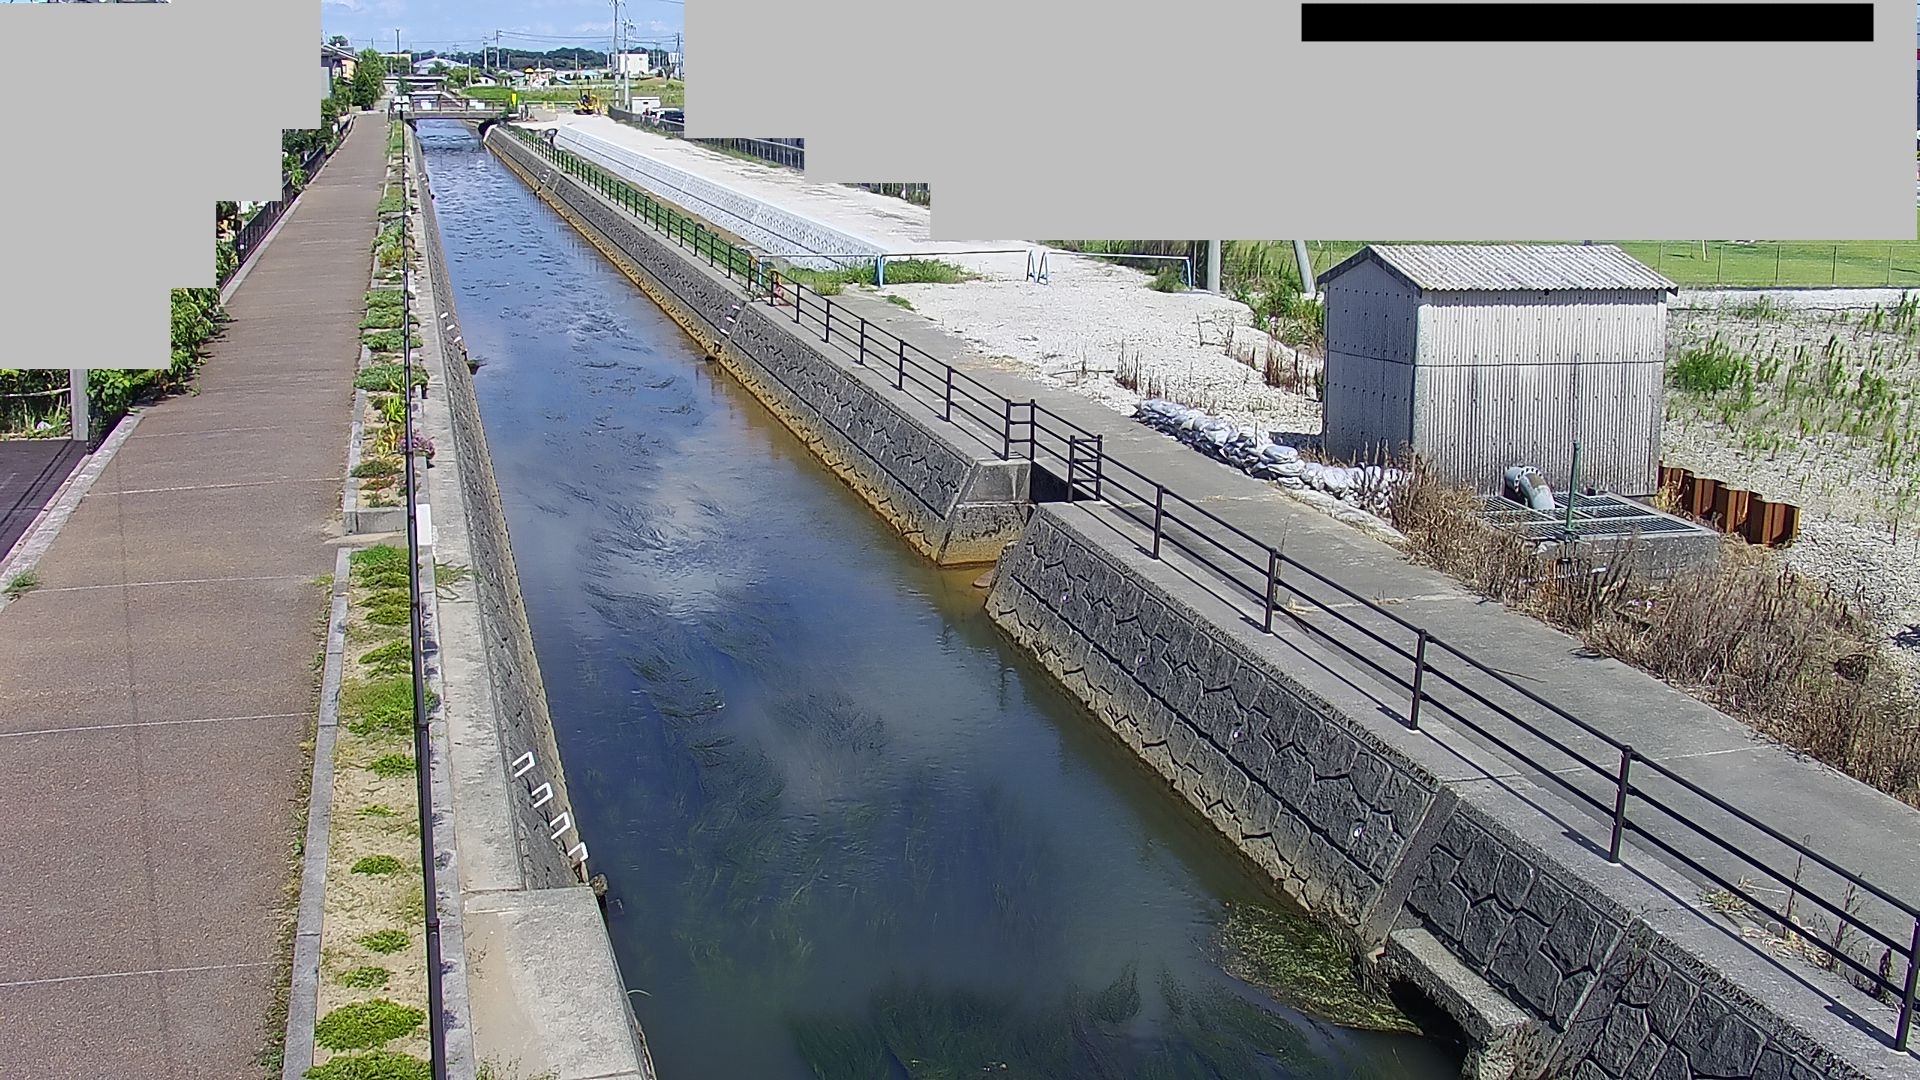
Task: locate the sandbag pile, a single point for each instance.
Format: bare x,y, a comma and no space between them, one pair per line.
1264,456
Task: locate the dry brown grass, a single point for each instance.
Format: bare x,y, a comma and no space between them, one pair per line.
1746,633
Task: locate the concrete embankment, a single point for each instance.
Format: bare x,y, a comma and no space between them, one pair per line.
952,502
1442,860
546,992
1445,864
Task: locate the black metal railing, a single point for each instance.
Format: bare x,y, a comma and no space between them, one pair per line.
1433,674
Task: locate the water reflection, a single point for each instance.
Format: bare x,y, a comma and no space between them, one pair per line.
849,830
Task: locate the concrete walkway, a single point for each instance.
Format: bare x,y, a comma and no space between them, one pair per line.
156,689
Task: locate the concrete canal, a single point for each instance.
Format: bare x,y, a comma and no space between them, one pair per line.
849,830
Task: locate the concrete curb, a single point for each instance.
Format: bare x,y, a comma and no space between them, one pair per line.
304,995
33,543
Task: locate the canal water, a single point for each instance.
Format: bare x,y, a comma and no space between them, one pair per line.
849,831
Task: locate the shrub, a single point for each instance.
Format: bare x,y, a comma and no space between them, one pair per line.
376,467
373,1065
370,977
388,341
389,377
378,864
386,941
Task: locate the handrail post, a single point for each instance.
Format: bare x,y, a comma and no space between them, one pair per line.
1273,582
1033,429
861,359
1099,466
1906,998
826,324
1006,428
946,412
900,371
1159,499
1073,462
1620,817
1419,677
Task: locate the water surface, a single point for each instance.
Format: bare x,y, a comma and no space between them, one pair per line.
849,830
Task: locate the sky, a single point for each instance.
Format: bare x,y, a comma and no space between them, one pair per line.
536,25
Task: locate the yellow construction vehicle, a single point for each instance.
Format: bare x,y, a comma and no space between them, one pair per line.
589,105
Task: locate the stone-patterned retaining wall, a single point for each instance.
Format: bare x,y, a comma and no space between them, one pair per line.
1345,809
954,505
519,694
763,225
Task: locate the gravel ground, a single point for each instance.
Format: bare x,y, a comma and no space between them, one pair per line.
1096,319
1857,532
1082,321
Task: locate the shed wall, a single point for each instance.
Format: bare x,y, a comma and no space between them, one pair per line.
1516,378
1371,341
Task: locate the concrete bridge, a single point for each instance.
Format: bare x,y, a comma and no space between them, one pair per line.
474,113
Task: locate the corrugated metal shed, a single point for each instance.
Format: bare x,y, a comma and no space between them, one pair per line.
1478,357
1508,267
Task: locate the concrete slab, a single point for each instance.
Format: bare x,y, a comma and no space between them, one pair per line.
565,979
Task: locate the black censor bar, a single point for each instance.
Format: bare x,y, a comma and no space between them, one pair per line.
1586,22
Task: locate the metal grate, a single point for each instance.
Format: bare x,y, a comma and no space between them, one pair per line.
1593,515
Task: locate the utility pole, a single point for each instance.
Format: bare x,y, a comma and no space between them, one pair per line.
1213,264
1305,262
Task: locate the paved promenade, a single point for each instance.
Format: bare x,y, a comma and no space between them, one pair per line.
156,689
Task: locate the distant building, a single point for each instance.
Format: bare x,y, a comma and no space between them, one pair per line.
1479,357
639,65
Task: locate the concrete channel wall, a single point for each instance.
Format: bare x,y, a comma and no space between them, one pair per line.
954,503
545,990
773,229
1460,887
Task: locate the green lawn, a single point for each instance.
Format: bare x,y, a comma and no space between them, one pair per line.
1857,263
672,93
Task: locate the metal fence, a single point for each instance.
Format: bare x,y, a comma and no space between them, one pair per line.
791,153
1628,792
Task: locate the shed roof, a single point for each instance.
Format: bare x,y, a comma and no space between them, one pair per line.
1509,267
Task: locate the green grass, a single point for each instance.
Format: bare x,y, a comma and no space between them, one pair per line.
385,298
21,584
378,864
900,301
389,607
393,658
899,272
1167,279
373,1065
391,765
671,92
392,202
371,977
366,1025
381,707
386,941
